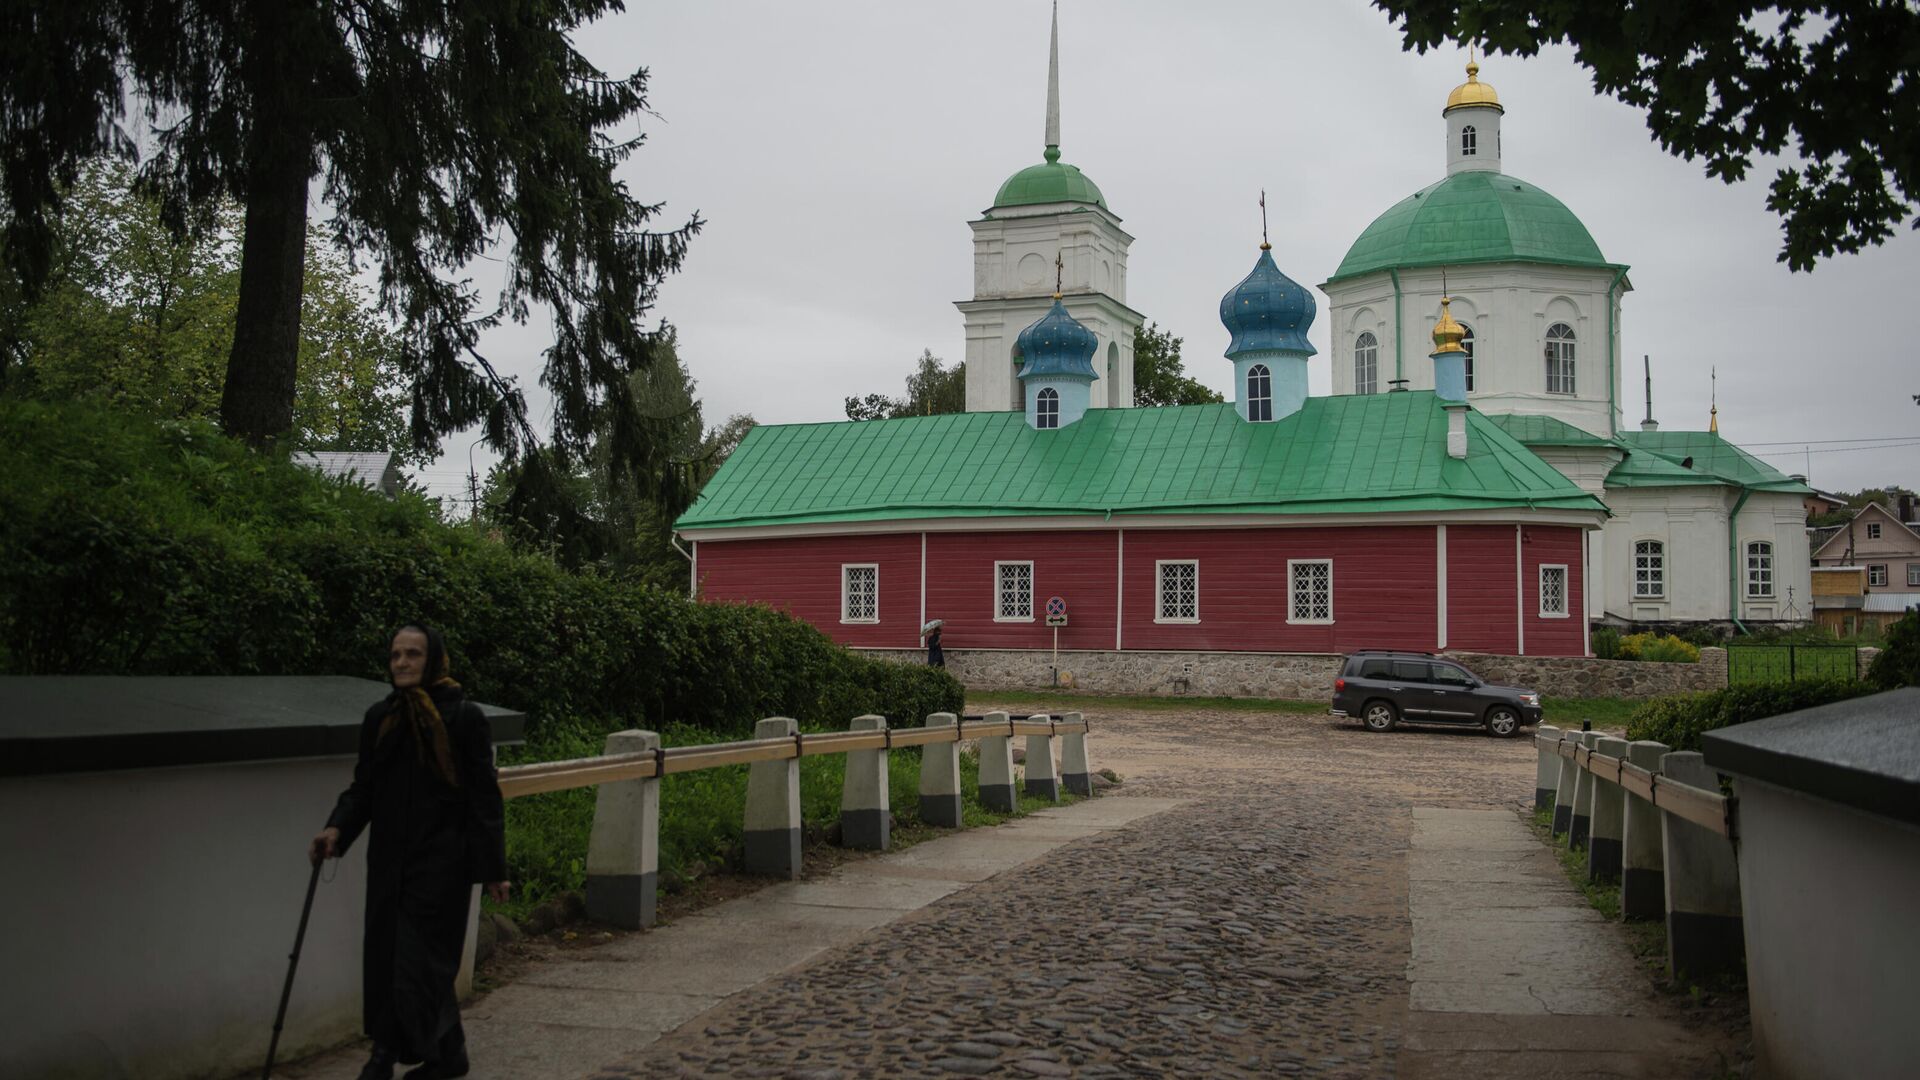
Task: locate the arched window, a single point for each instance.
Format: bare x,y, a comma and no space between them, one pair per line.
1469,140
1649,570
1046,409
1366,364
1019,389
1560,359
1259,393
1466,342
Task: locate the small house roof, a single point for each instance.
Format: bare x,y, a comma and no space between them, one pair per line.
379,470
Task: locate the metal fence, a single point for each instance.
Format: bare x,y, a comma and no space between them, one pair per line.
1787,663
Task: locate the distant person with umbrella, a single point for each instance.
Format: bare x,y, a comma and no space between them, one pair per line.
425,783
936,657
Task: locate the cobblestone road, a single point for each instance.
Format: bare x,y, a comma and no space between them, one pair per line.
1261,929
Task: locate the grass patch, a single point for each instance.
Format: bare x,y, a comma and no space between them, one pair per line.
702,815
1082,701
1605,712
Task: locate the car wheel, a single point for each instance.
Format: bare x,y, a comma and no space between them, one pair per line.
1379,716
1502,722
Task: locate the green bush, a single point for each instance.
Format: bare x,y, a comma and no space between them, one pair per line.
1680,719
1899,661
141,547
1657,648
1606,643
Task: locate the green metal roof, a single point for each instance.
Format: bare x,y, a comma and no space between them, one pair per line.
1711,454
1473,217
1371,453
1048,182
1546,431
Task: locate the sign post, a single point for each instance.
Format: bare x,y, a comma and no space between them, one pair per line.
1056,618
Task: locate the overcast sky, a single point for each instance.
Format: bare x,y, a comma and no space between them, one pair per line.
837,152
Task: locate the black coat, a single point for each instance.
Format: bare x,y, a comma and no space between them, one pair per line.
429,842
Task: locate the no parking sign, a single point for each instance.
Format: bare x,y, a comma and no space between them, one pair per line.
1056,611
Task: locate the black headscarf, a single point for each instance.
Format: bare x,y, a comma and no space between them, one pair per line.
415,705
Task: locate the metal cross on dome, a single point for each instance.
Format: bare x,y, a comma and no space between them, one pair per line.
1263,218
1059,271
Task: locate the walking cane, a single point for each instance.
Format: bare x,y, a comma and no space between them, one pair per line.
293,961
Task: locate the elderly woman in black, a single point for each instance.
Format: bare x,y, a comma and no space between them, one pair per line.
425,782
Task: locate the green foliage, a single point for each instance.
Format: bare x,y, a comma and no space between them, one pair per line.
1158,375
140,319
436,135
932,388
1837,93
130,546
1606,643
1679,720
1899,661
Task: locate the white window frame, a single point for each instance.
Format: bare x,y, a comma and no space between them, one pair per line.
1565,355
1469,141
999,590
1873,530
1881,569
1370,345
846,579
1160,591
1293,597
1913,574
1046,409
1259,403
1753,573
1466,345
1656,570
1566,592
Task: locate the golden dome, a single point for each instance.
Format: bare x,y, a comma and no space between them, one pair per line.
1447,334
1472,92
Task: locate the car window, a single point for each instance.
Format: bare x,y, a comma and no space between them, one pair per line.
1376,669
1413,670
1450,675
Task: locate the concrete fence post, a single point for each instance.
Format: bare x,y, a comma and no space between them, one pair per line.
1075,770
773,807
623,850
940,777
1563,786
865,798
996,768
1582,798
1705,935
1643,886
1042,778
1546,777
1609,808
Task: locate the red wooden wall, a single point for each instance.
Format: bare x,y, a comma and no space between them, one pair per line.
1385,586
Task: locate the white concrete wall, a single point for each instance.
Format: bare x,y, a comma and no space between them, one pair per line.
1509,306
1013,277
1692,522
1833,960
1485,121
148,915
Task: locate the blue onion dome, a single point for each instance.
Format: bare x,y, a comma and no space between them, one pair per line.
1268,311
1057,346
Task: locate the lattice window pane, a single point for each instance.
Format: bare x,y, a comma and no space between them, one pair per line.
1760,569
1553,590
1366,364
862,587
1311,594
1649,568
1015,591
1180,590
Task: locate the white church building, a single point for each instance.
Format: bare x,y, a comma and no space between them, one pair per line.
1699,530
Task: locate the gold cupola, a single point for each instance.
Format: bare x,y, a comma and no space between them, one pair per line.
1447,334
1472,92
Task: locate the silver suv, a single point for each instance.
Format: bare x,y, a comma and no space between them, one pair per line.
1383,688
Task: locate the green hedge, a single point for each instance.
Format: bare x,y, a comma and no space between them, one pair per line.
130,546
1680,720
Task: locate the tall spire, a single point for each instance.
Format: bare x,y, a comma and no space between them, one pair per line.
1053,89
1713,397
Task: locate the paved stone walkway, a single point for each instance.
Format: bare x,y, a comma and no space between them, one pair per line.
1267,895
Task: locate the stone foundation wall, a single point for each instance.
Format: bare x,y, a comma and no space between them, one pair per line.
1301,676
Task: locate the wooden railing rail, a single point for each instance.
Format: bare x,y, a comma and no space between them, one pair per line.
1707,809
519,780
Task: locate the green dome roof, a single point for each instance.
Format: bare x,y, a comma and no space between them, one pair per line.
1050,181
1473,217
